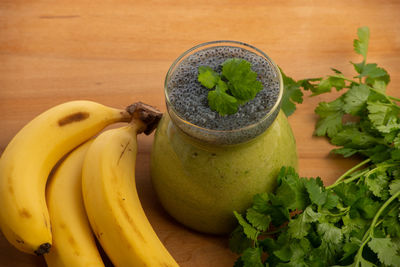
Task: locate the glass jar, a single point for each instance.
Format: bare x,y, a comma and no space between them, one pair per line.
202,175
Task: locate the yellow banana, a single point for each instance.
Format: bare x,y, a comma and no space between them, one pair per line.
112,203
73,241
28,159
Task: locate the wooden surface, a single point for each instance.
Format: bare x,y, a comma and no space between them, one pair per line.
118,52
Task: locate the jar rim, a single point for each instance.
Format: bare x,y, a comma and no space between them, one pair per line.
272,112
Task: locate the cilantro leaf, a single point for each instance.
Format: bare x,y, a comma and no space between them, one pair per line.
373,73
375,76
351,247
299,227
291,94
396,141
330,233
377,153
315,189
330,121
269,204
309,84
361,44
238,241
378,112
248,230
378,184
380,85
278,211
291,189
386,250
258,220
328,83
260,202
394,187
207,77
252,257
332,200
242,81
221,101
354,227
366,207
382,116
358,67
345,151
351,137
355,99
349,193
284,254
391,223
299,250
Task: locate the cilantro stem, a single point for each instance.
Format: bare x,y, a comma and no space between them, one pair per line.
369,172
347,173
369,233
394,98
355,177
344,78
378,214
360,250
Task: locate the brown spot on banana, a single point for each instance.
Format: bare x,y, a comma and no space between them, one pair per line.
72,241
74,117
130,220
25,213
123,151
46,222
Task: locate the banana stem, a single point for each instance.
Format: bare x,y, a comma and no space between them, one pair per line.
144,116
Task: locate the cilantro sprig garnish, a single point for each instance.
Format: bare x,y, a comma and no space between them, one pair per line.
356,220
236,85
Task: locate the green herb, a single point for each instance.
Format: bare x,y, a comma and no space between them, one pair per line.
356,220
352,222
292,93
236,85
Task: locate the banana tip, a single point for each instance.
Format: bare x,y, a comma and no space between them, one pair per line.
43,249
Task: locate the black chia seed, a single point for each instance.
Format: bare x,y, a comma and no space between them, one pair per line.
189,97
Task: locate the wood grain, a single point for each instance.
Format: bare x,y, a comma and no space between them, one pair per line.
117,52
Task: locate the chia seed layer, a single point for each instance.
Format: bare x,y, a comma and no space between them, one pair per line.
189,97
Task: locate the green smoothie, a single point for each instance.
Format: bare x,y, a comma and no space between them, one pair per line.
201,185
205,166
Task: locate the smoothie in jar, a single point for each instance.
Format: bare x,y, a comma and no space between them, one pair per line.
204,166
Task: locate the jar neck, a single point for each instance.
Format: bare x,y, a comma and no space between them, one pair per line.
223,137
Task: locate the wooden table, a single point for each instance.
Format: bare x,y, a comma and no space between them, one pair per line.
118,52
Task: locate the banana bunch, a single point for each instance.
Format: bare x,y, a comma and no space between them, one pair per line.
91,187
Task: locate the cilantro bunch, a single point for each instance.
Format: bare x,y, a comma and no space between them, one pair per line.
355,221
236,85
